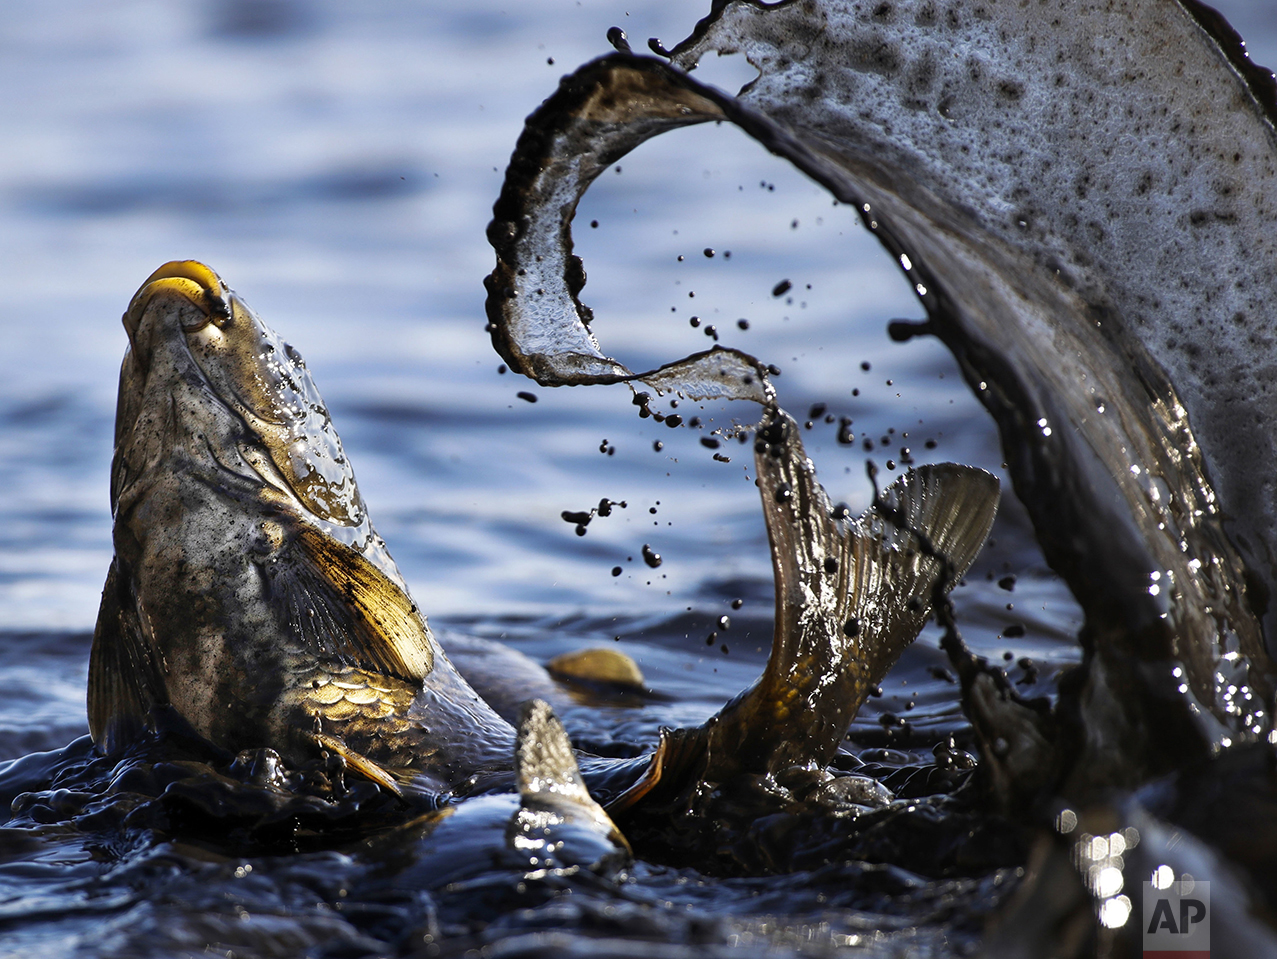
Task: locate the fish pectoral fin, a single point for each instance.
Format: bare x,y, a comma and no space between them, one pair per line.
344,608
547,771
124,679
358,762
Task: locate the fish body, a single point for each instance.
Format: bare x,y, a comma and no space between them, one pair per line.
249,590
251,594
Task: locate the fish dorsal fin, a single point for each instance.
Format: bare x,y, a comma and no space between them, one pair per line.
125,681
556,813
550,780
341,606
544,761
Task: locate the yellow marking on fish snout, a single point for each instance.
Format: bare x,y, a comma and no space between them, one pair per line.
187,278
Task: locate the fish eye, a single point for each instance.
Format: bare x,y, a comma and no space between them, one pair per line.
204,332
220,317
198,325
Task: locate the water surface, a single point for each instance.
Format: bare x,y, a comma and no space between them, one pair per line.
337,165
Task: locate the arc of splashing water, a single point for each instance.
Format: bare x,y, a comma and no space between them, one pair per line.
1089,225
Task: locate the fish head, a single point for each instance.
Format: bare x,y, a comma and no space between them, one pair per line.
193,339
244,556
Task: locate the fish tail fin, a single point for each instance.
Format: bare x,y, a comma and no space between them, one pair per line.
851,594
854,593
914,546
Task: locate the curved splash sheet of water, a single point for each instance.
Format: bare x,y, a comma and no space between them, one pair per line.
538,324
1082,197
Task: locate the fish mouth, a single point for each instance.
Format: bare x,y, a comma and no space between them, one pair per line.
187,278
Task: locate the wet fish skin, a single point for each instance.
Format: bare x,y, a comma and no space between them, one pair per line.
231,596
232,599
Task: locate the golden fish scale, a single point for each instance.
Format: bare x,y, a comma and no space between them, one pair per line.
366,710
342,694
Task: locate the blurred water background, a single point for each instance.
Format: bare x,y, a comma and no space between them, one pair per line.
337,163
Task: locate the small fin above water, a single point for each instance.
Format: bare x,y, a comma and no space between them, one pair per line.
548,775
341,605
543,756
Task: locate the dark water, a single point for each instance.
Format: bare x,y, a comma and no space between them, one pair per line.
337,165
